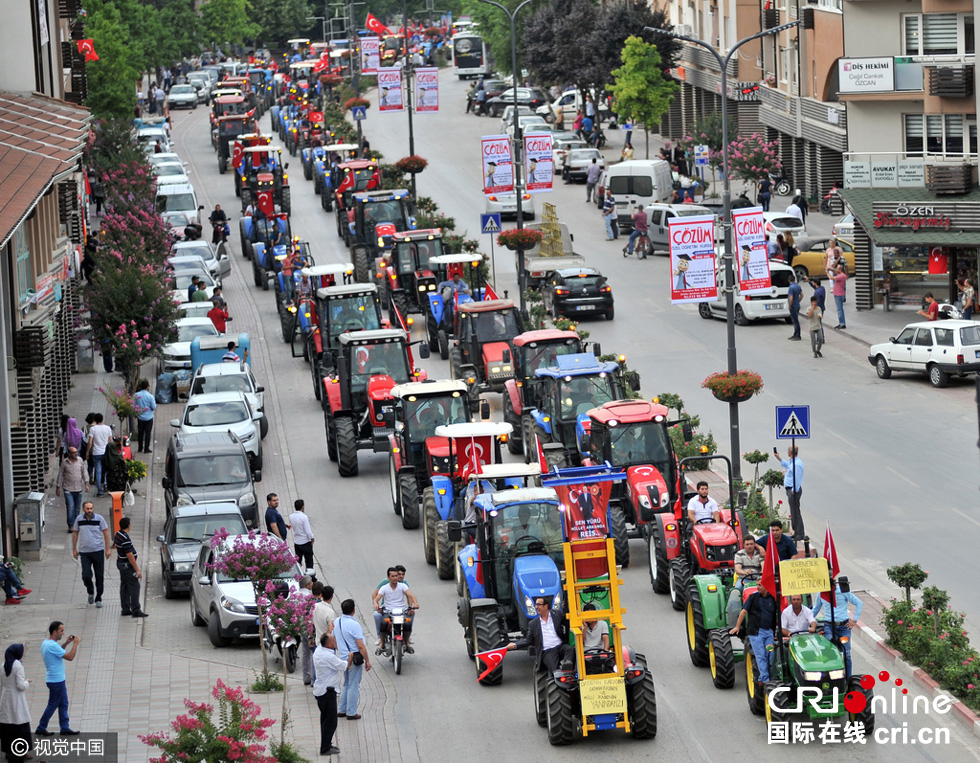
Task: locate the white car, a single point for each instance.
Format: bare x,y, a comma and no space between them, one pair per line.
217,266
753,307
780,222
167,157
575,164
181,280
939,349
231,377
147,138
561,146
170,172
177,354
183,95
194,309
224,412
528,123
845,227
506,205
508,117
202,85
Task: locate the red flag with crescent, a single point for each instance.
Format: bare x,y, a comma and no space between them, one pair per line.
87,48
491,659
266,203
376,26
237,154
361,358
320,65
489,293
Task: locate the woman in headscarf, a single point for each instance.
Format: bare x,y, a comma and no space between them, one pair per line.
15,715
73,436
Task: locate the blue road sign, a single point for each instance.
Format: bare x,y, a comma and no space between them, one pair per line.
792,421
490,223
359,113
700,156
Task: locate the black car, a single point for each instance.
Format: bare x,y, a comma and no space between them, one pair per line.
526,96
493,87
187,527
574,292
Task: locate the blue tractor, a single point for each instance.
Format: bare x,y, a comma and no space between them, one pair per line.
326,177
259,236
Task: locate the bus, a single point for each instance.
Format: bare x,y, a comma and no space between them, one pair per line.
470,57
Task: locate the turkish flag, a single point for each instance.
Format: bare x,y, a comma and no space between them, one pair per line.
492,659
376,26
237,153
768,580
938,261
489,293
266,203
542,461
87,47
830,554
320,65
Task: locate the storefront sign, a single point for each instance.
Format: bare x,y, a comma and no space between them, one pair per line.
752,259
866,75
913,217
911,173
857,174
884,173
693,274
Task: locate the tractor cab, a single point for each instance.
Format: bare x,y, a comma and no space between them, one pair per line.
242,142
406,276
265,236
439,305
483,353
229,106
262,170
226,130
353,176
376,217
338,309
327,172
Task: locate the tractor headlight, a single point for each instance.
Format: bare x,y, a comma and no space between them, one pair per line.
556,602
495,369
645,502
813,675
529,607
836,675
422,287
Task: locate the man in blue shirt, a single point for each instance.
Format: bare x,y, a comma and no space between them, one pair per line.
785,546
761,610
609,214
457,284
843,622
793,482
275,524
54,656
145,406
350,639
795,297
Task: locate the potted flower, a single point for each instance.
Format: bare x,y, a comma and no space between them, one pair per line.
733,388
350,103
412,165
330,80
523,238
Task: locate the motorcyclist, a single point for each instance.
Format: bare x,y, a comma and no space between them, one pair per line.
397,595
219,223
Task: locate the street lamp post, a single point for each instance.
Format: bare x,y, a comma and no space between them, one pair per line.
408,68
518,144
727,213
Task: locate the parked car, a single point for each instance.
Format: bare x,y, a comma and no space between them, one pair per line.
194,309
528,123
170,172
577,292
753,307
231,377
780,222
181,280
221,412
508,116
185,530
179,197
202,84
809,261
183,95
561,146
493,88
217,266
177,354
526,96
210,467
576,163
939,349
845,226
227,606
148,135
168,157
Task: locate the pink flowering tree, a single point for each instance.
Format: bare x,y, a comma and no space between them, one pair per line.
289,617
239,735
752,156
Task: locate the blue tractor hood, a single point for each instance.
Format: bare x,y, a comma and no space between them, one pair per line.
536,575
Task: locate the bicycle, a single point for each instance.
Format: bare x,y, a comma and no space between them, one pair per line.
641,247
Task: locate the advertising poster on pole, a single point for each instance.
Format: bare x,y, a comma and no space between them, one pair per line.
751,257
586,506
498,165
540,168
693,276
370,55
426,90
390,89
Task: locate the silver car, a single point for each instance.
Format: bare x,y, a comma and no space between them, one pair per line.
217,266
577,161
183,95
231,377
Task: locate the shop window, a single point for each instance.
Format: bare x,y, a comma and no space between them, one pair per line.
22,253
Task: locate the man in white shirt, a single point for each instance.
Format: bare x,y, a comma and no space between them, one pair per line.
305,646
702,507
796,618
323,611
329,677
302,536
396,595
794,211
547,636
98,440
595,633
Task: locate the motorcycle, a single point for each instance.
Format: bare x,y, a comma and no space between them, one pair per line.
397,624
780,183
827,202
948,312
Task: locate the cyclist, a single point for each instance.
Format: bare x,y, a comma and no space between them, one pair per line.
640,230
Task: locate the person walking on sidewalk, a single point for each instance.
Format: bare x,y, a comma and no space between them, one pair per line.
129,571
307,643
793,482
795,298
591,178
54,655
839,277
99,436
73,479
329,675
815,316
274,523
350,641
11,584
15,714
302,536
145,406
609,215
90,539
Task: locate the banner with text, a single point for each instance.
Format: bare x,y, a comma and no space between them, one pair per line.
751,256
585,509
426,90
539,168
390,89
693,277
370,55
498,165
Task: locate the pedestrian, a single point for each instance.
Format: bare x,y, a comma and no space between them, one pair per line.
773,250
274,522
219,316
218,299
793,482
12,586
160,97
15,715
843,621
800,200
765,193
840,293
129,571
789,248
481,99
85,451
794,210
577,123
324,614
329,675
470,98
815,315
350,641
969,299
609,215
818,291
302,535
761,610
931,310
795,298
193,287
628,129
833,256
158,147
54,656
73,479
90,541
627,153
99,436
591,178
145,405
231,356
680,159
107,356
588,129
306,643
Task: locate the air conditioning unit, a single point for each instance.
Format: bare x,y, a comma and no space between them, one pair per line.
684,30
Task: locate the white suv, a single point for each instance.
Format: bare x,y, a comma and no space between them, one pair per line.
224,412
231,377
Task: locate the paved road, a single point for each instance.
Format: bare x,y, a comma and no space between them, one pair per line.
439,711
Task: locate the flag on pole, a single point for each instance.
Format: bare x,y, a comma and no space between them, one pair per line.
376,26
830,554
489,293
492,659
542,461
768,580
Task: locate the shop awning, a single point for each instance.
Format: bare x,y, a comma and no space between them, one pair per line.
861,202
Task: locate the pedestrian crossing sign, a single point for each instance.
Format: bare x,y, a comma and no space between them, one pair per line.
490,223
792,422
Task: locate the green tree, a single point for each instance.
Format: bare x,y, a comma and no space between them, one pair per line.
183,27
228,21
640,89
111,91
278,20
495,30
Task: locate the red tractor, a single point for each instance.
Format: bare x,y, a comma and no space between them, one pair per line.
353,176
405,276
242,142
482,353
262,169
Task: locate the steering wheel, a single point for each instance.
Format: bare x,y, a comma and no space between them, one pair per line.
530,546
706,521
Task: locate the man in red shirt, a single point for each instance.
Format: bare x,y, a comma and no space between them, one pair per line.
931,311
219,316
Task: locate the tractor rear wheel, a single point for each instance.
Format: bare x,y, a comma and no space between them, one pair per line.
408,495
317,375
308,172
659,566
541,679
721,659
287,322
443,338
393,486
346,447
754,691
400,301
257,272
515,443
444,551
362,265
680,576
642,699
331,433
621,540
866,716
430,515
486,635
456,363
286,203
697,634
561,722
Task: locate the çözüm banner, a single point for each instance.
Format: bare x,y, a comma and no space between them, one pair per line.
585,509
540,167
752,257
498,165
390,89
370,55
693,276
426,89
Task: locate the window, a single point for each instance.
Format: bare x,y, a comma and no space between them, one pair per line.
939,134
923,338
945,337
25,273
905,337
938,34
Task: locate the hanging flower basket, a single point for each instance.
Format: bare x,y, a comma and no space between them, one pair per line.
352,102
733,388
413,165
433,31
330,80
514,239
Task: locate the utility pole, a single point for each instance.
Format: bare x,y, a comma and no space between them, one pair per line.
407,68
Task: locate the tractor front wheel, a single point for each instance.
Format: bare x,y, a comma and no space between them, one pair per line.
486,635
866,716
400,302
561,722
721,659
257,272
541,679
317,376
362,264
408,495
393,485
680,576
621,540
430,515
754,691
308,173
286,204
331,433
444,551
642,700
659,565
443,344
697,634
346,447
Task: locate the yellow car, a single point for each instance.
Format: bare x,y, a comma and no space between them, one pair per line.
813,253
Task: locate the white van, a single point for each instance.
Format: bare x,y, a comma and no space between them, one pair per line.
659,217
179,197
639,182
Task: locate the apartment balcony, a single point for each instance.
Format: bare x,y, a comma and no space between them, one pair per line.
951,81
